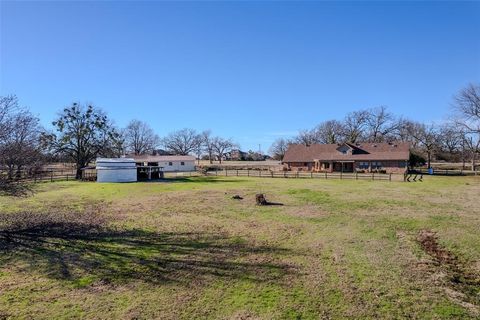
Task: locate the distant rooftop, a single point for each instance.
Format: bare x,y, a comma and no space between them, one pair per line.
115,160
150,158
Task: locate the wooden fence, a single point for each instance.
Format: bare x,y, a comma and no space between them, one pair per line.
304,174
91,175
44,175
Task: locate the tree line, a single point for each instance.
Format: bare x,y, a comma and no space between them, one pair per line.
457,139
82,132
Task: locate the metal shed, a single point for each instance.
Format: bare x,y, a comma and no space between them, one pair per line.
116,170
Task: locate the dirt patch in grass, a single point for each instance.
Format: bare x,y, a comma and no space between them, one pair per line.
461,283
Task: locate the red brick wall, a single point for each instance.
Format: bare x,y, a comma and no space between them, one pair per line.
299,166
388,166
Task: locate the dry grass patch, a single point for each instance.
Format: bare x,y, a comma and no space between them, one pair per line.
186,249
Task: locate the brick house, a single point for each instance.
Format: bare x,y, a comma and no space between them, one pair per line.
348,157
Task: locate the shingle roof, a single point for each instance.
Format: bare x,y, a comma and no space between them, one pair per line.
362,152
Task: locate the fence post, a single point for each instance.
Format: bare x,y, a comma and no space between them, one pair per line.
226,172
248,172
341,174
390,177
311,174
51,176
326,176
356,175
67,177
271,172
35,177
260,172
237,172
373,175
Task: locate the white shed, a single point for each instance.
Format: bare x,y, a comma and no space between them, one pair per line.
116,170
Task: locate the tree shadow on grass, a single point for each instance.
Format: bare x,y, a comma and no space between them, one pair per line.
15,189
74,251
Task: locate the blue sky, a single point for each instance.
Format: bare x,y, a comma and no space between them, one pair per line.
252,71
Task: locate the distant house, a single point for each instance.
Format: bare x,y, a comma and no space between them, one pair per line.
166,163
348,157
236,155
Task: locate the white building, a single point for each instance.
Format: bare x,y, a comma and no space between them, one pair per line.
167,163
116,170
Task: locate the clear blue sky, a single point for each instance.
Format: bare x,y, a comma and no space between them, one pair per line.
252,71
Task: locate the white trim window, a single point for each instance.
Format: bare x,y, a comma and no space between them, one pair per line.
376,165
363,165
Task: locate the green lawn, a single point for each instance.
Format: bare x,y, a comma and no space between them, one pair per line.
185,249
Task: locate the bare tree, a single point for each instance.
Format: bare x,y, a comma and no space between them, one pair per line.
140,138
182,142
222,146
278,148
380,124
8,105
402,132
354,125
19,138
83,134
208,144
330,131
467,118
427,137
471,143
450,138
306,137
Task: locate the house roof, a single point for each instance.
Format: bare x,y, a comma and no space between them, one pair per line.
115,160
360,152
149,158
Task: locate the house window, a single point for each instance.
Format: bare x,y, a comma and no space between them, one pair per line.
182,163
363,165
376,165
401,164
170,164
305,164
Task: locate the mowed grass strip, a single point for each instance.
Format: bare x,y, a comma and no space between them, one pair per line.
185,249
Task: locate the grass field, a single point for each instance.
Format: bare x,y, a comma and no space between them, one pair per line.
185,249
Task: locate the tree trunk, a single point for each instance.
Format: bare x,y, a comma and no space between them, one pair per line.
473,161
10,172
78,173
429,159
